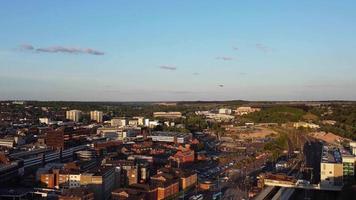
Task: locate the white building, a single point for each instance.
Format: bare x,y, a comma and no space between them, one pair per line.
215,116
133,122
96,116
7,142
169,124
244,110
44,120
147,122
140,120
73,115
220,117
154,123
114,133
172,137
353,148
225,111
305,125
121,122
74,180
167,114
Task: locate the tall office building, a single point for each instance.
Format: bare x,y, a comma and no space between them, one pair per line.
96,116
73,115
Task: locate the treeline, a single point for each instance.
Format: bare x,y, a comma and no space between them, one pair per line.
277,145
277,114
345,117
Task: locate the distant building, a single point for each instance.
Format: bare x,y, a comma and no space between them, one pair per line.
140,120
18,102
7,142
44,120
171,115
216,116
55,139
244,110
220,117
114,133
353,148
73,115
184,155
154,123
146,122
174,137
225,111
117,121
96,116
281,165
133,122
305,125
329,122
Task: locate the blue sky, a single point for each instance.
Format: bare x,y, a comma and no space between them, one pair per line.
143,50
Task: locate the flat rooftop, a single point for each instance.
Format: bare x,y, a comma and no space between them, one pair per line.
331,155
172,134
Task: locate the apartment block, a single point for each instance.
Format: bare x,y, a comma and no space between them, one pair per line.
73,115
96,116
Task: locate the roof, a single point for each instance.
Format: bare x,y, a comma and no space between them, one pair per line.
14,192
166,133
331,155
100,171
76,192
129,193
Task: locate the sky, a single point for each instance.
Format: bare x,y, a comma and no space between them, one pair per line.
159,50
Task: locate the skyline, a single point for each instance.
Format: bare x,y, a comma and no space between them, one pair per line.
182,50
